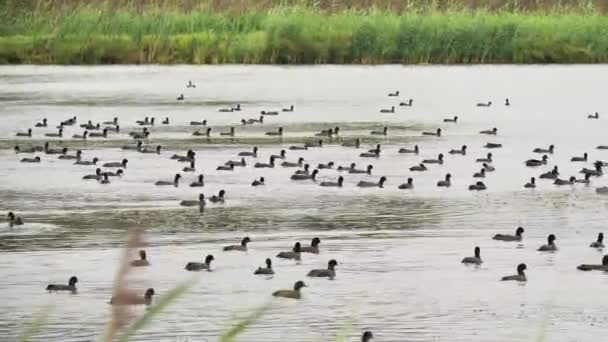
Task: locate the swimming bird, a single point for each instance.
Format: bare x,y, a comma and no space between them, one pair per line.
319,143
71,286
68,122
87,162
242,247
461,151
198,123
270,112
367,336
305,171
291,164
520,276
371,154
96,176
488,168
602,147
105,179
48,150
330,272
76,156
140,135
396,93
298,148
594,116
82,136
313,248
253,153
292,294
392,110
536,162
290,109
31,160
115,129
236,108
368,170
281,155
553,174
366,184
484,104
190,203
439,160
599,243
549,150
90,126
478,186
447,182
143,261
42,124
419,168
338,184
294,254
507,102
188,158
531,184
226,110
487,159
150,151
415,150
407,104
596,172
118,173
128,298
355,143
408,185
14,220
257,182
113,122
327,166
175,181
602,267
508,237
480,174
565,182
229,167
550,246
235,163
435,134
264,165
384,131
143,122
229,133
347,168
190,84
59,134
579,159
586,180
219,198
24,150
199,266
278,133
136,147
492,145
312,176
265,270
492,131
474,259
180,97
199,182
454,119
122,164
25,134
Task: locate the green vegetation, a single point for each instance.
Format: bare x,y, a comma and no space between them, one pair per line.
300,32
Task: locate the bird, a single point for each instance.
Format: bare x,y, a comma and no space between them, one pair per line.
103,134
322,166
180,97
96,176
386,111
147,150
415,150
520,276
292,164
435,134
553,174
480,174
312,176
30,160
474,259
579,159
462,150
550,246
384,131
257,182
507,237
105,179
408,185
507,102
492,131
71,287
192,203
198,123
253,153
166,121
219,198
59,134
454,119
484,104
25,134
199,266
190,168
447,182
229,133
487,159
122,164
269,112
292,294
265,270
294,254
42,124
599,243
190,84
199,182
281,155
339,183
565,182
242,247
175,181
133,299
367,336
143,261
602,267
439,160
87,162
419,167
549,150
594,116
313,248
279,132
478,186
368,170
77,156
330,272
396,93
354,143
290,109
347,168
366,184
407,104
536,162
14,220
229,167
492,145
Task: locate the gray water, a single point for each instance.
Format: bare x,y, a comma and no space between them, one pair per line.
399,252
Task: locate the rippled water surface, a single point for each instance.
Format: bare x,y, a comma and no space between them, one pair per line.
399,252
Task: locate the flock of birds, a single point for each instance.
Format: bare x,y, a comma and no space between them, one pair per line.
303,173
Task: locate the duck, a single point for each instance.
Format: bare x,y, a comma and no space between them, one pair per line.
330,272
264,165
87,162
586,180
82,136
199,182
596,173
118,173
507,102
371,154
278,133
366,184
384,131
484,104
602,147
337,184
175,181
133,299
488,168
415,150
386,111
25,150
257,182
291,164
536,162
112,122
353,170
252,121
77,156
198,123
14,220
136,147
602,267
550,246
327,166
105,179
396,93
565,182
492,131
553,174
287,110
143,122
487,159
281,155
328,132
435,134
305,171
115,129
190,84
180,97
42,124
143,261
48,150
594,116
31,160
579,159
549,150
418,168
298,148
291,294
367,336
480,174
454,119
265,270
439,160
314,144
313,248
407,104
253,153
294,254
69,122
312,176
235,163
122,164
236,108
474,259
531,184
90,125
190,203
188,158
96,176
520,276
71,286
199,266
270,112
229,167
492,145
226,110
599,243
242,247
151,151
355,143
140,135
25,134
219,198
478,186
447,182
408,185
347,168
461,151
508,237
59,134
229,133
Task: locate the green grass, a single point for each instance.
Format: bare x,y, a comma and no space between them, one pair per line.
86,33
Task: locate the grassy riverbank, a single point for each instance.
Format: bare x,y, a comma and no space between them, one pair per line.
83,32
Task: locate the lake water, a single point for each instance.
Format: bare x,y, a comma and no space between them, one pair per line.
399,252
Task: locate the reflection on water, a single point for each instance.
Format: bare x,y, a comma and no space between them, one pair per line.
398,251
